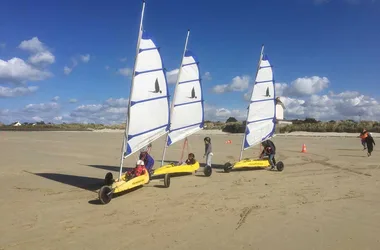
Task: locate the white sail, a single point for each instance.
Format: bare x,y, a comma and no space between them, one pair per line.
188,112
148,110
261,118
149,99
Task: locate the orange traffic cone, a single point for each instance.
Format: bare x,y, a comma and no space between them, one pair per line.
303,148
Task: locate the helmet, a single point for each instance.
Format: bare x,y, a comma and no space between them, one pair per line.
140,163
207,139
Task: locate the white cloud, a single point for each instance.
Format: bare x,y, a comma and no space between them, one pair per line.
238,84
125,72
112,111
40,53
33,45
345,105
207,76
67,70
172,76
45,57
73,100
107,67
305,86
18,71
85,58
124,59
18,91
213,113
55,98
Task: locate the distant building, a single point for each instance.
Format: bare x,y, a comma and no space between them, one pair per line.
16,124
280,107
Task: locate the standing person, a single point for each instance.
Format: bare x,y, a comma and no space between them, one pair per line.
363,135
270,151
208,151
370,142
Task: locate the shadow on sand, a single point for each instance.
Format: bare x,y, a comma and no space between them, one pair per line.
83,182
358,156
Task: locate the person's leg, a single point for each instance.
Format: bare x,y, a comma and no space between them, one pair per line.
270,158
208,160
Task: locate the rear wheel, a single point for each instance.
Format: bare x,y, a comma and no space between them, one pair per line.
105,194
207,171
227,167
167,180
108,180
280,166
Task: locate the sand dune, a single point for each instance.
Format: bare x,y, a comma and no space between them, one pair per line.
327,198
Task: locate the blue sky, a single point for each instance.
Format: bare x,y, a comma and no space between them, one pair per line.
325,54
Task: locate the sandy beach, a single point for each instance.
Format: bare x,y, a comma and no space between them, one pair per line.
326,198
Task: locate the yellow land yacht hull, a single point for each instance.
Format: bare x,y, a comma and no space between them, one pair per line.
121,185
174,169
252,163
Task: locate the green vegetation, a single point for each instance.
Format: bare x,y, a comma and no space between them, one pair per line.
348,126
309,125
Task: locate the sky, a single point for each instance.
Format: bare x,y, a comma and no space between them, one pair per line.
71,61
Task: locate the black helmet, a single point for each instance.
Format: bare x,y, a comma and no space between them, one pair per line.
207,139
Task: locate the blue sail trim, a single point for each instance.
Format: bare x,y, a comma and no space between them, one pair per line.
169,142
264,67
148,71
186,103
188,64
187,126
263,100
148,100
190,81
265,119
263,81
148,131
154,48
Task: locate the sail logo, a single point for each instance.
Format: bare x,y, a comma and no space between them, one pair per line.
157,88
267,93
192,94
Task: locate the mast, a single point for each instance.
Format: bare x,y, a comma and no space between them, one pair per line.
125,137
175,90
246,120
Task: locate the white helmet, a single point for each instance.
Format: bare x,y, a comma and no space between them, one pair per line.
140,163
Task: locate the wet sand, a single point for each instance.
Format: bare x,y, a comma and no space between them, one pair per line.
327,198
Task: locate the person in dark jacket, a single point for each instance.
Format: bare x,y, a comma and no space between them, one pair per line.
370,142
148,161
270,151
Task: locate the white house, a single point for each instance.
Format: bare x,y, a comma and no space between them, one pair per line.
16,124
279,109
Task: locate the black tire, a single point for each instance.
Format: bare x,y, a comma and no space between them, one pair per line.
280,166
227,167
207,171
108,180
167,180
104,195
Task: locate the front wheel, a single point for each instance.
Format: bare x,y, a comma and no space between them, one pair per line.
207,171
280,166
105,194
227,167
167,181
108,180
